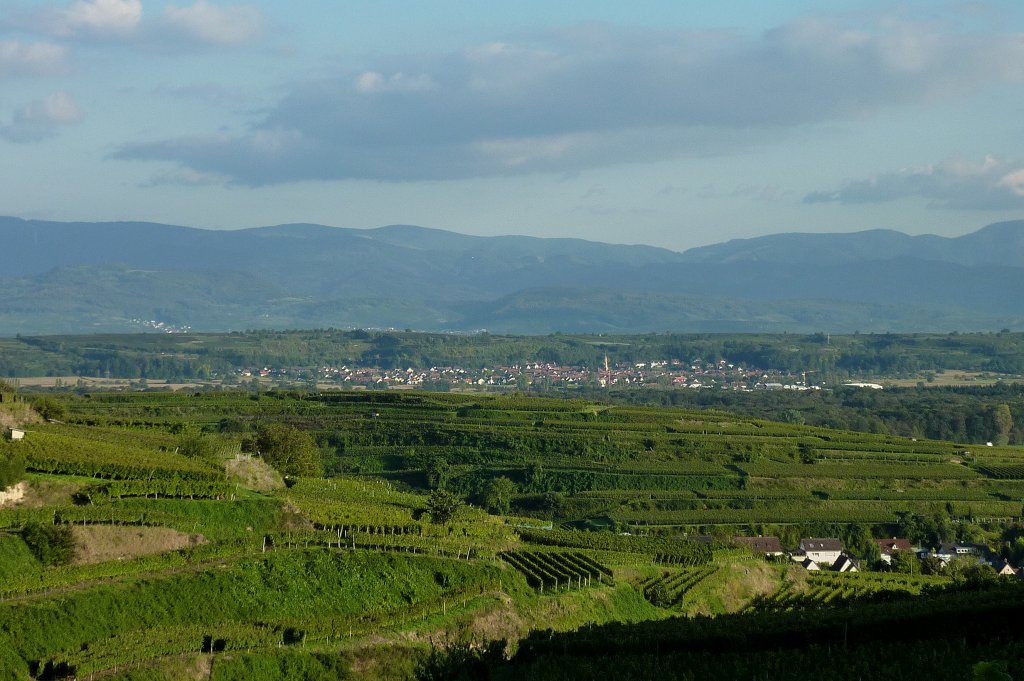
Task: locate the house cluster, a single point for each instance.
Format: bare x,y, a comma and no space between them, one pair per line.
163,327
675,373
978,552
828,553
698,374
813,554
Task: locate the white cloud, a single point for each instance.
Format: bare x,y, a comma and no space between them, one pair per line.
991,184
186,177
374,81
1014,182
18,58
41,119
207,23
99,18
596,95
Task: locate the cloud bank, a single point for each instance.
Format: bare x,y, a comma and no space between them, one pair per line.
589,96
41,119
992,184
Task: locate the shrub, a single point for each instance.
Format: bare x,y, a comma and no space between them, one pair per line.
49,408
12,470
51,544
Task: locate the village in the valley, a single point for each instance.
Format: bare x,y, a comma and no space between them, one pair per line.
674,373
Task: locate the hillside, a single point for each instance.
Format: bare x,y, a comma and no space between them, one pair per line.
136,553
74,277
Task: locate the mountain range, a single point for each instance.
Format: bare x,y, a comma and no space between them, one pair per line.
78,277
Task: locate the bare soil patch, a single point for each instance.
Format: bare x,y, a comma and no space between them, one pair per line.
42,491
99,543
17,414
12,495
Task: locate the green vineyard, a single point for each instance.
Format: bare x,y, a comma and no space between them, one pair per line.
669,589
555,570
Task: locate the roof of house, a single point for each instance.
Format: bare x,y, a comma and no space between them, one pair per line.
888,546
761,544
951,548
818,544
845,564
810,564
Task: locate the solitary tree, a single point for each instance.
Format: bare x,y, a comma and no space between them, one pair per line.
1002,420
288,449
497,496
443,506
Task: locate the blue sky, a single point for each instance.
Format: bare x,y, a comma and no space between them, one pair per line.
666,123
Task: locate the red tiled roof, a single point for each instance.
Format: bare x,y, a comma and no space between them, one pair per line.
887,546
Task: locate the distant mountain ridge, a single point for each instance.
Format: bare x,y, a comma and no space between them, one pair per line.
997,244
71,277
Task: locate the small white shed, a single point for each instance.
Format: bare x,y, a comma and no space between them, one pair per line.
17,434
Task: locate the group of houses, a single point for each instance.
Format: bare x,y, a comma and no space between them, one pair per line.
674,373
813,554
828,553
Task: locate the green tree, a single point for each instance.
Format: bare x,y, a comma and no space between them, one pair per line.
443,506
51,544
288,449
535,477
437,471
12,469
497,496
932,565
49,408
1002,422
871,554
196,445
906,562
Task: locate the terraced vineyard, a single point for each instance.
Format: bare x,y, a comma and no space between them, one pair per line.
439,510
590,453
554,570
669,589
825,589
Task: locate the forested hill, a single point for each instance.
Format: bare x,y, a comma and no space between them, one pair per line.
81,277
